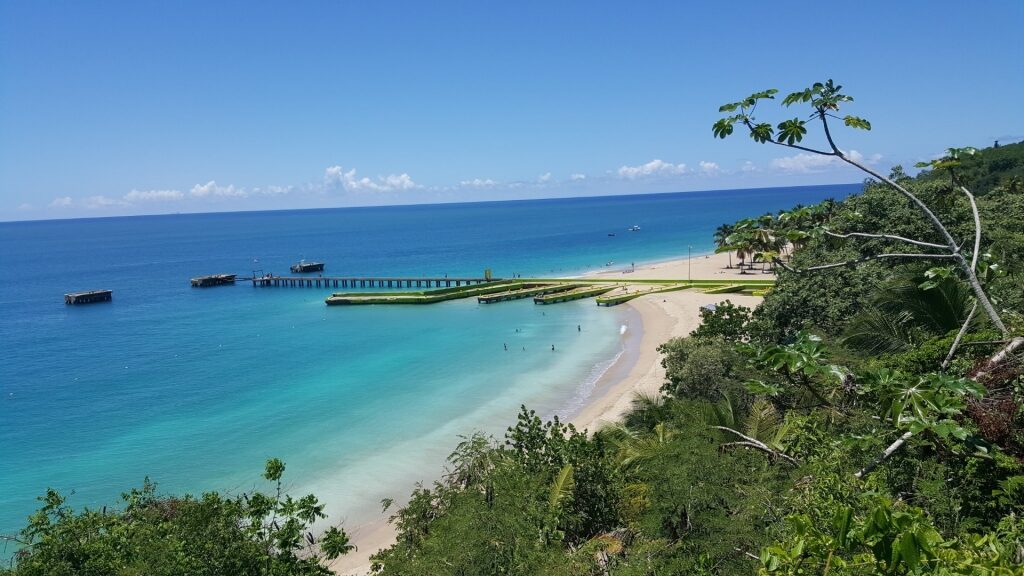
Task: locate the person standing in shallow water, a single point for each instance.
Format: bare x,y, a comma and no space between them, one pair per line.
552,347
578,329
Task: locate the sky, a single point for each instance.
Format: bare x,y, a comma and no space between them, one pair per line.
144,107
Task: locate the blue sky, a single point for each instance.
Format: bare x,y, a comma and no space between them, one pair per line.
110,108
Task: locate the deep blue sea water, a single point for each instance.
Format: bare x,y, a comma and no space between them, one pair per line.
196,388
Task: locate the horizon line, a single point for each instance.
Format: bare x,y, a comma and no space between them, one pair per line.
453,203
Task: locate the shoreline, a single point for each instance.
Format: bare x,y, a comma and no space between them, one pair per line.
652,320
661,317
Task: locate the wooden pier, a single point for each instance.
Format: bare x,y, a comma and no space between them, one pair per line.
213,280
88,297
347,282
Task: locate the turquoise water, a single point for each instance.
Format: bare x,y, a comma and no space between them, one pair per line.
196,388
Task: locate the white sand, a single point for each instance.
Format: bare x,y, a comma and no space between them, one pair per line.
664,316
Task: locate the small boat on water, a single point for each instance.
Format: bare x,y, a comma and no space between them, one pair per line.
303,267
611,233
634,228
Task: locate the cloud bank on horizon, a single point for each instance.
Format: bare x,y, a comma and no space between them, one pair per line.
340,186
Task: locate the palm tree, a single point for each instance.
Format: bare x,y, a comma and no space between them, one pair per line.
761,428
634,449
905,310
721,239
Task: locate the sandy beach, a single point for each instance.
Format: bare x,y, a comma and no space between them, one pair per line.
662,316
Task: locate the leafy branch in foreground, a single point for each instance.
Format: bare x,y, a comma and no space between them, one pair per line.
825,100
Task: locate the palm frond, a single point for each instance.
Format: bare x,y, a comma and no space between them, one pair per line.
762,421
562,487
875,331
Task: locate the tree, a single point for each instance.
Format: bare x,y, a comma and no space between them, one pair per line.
825,100
722,237
257,533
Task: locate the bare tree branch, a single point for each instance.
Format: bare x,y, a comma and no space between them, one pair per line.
997,360
960,336
747,554
755,443
797,146
860,260
974,266
951,244
977,228
804,148
885,236
828,135
885,455
968,271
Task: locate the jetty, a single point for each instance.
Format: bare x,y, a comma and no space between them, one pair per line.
88,297
420,296
525,291
213,280
608,292
304,267
357,282
575,294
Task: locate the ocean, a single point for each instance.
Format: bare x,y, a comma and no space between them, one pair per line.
196,388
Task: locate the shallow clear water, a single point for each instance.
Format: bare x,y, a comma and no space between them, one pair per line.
198,387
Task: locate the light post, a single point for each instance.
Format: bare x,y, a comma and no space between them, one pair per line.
689,265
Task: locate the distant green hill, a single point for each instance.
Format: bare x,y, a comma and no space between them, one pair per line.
989,168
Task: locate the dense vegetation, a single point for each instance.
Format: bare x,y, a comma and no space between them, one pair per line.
154,535
836,429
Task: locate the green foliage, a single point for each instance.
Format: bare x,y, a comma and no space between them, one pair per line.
257,533
704,368
908,309
922,402
726,321
982,171
509,508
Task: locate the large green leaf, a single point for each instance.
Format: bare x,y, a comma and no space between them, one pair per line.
791,131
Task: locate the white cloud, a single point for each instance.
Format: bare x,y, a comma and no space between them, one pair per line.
211,188
96,202
653,168
153,195
545,177
24,206
805,163
577,177
478,183
708,168
276,190
336,175
62,202
748,166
